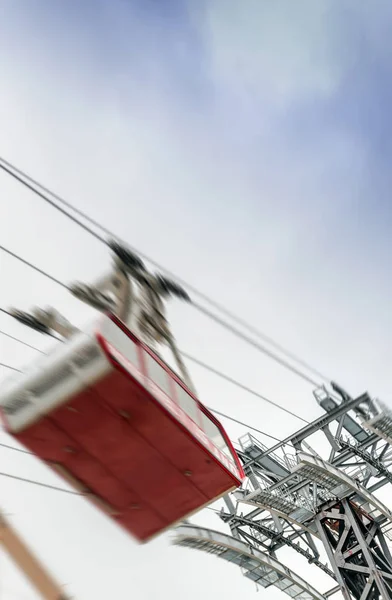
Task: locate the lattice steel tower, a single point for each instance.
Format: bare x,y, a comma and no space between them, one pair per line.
294,497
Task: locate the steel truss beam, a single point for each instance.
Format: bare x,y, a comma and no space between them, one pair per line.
257,566
357,551
291,485
312,557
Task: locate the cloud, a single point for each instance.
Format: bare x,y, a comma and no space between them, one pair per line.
244,145
278,52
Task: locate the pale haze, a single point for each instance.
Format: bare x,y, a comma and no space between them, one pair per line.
244,145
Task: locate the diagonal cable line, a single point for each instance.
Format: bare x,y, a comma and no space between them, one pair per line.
33,185
11,368
258,346
31,266
272,437
11,337
65,491
208,313
241,386
224,377
15,449
211,370
41,484
49,201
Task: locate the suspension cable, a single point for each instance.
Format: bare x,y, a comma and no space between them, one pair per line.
33,267
33,186
218,374
11,337
205,311
11,368
241,386
41,484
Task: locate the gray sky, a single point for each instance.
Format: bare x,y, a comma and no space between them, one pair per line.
245,146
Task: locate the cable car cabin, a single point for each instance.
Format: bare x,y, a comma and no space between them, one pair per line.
108,415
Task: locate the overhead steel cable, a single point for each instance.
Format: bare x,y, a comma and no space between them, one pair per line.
72,492
272,437
259,347
11,368
31,266
65,491
15,449
205,311
205,366
35,187
268,435
212,370
11,337
241,386
222,376
41,484
48,200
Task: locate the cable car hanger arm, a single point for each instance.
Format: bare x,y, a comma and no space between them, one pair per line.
143,312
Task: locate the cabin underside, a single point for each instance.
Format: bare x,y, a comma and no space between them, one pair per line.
123,446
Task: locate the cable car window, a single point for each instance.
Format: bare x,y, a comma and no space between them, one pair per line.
215,435
124,344
157,374
187,403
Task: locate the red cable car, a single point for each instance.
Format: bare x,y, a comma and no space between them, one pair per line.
113,419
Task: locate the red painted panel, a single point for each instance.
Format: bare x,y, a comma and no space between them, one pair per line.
117,440
48,442
149,419
151,422
45,440
124,395
104,485
141,524
145,416
129,456
52,444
